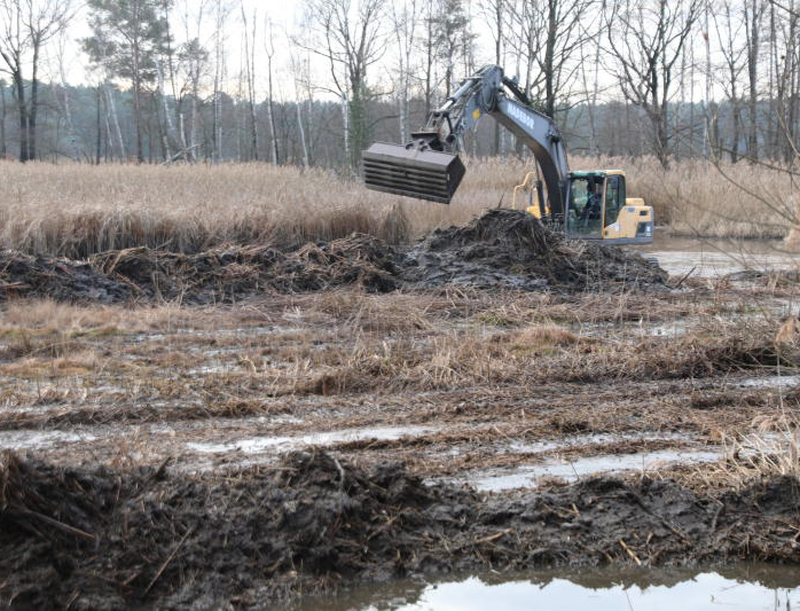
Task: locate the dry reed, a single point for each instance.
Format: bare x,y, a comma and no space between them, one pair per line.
78,210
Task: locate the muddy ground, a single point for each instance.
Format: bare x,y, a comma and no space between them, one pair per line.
244,454
503,249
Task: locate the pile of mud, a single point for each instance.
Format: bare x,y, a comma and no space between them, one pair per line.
56,278
102,539
503,249
513,250
226,274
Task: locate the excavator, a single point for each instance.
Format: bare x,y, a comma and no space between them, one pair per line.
586,205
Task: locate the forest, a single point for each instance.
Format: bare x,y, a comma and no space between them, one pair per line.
221,81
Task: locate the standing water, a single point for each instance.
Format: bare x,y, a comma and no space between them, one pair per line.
750,587
718,257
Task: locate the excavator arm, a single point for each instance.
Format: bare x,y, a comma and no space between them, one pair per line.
428,167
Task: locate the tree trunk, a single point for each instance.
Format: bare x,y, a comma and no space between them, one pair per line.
271,115
170,131
3,147
302,136
753,21
99,128
112,107
23,116
346,120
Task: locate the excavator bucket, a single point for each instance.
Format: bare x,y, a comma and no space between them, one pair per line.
412,171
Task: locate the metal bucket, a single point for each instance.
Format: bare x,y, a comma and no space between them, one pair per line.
412,171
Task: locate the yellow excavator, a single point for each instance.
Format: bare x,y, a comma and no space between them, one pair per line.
588,205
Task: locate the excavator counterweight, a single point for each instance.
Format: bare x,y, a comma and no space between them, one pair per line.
412,170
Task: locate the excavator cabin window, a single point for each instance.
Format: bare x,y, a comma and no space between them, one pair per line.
585,213
615,198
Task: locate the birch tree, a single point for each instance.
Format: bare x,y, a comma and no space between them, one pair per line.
249,57
269,48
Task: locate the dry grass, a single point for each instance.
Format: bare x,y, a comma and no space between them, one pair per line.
77,210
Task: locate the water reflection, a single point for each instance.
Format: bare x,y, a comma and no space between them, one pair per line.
747,586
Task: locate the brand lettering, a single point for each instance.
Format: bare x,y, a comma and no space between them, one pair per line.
520,115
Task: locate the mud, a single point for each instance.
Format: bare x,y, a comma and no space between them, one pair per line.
513,250
503,249
225,274
102,538
57,278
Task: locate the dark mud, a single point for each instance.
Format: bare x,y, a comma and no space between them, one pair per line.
57,278
513,250
101,539
501,249
226,274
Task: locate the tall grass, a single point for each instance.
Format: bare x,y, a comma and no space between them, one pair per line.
77,210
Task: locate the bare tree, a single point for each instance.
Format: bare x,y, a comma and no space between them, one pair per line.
250,78
728,26
405,18
64,101
302,85
549,36
3,111
350,37
753,17
269,48
220,18
25,27
646,39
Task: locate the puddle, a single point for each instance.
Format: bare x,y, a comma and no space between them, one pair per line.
549,445
711,264
768,382
719,257
27,440
673,329
527,476
741,587
284,444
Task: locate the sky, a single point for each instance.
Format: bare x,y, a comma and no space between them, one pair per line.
285,15
286,18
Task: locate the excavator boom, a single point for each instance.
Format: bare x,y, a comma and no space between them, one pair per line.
428,167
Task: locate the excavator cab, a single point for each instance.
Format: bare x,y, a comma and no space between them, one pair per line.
597,208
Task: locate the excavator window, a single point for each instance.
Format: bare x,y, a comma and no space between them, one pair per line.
615,198
585,214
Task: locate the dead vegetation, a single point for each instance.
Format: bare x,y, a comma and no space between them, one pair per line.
77,211
135,485
501,249
110,538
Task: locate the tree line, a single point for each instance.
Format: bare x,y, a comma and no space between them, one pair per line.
200,80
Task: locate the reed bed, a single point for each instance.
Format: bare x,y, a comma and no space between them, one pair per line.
78,210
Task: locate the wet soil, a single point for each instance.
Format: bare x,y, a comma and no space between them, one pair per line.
503,249
108,538
507,249
241,455
57,278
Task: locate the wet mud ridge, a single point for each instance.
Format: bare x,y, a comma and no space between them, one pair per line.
104,539
512,249
501,249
